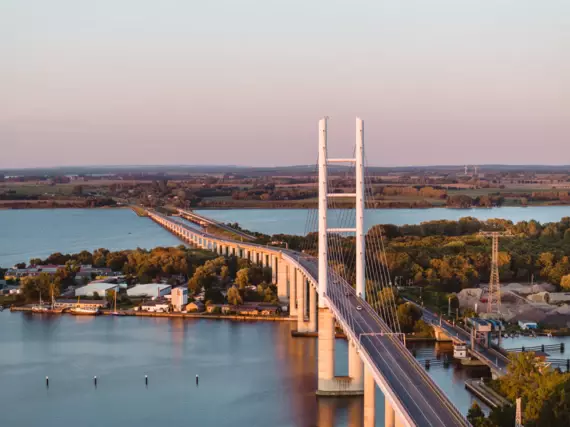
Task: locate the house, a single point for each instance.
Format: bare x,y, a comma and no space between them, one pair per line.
155,306
246,311
179,298
270,311
11,290
86,304
195,306
223,308
150,290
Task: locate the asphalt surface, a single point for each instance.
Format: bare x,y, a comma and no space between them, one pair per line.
425,403
418,394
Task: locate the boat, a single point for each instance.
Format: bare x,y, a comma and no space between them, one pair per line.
115,312
46,308
77,310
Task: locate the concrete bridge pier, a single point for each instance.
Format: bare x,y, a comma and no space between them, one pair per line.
281,275
370,402
313,309
292,279
302,325
355,367
328,383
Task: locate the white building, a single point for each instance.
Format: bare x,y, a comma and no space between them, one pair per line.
149,290
527,325
156,306
179,298
101,288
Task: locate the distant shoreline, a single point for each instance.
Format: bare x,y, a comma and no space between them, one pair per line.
174,315
241,207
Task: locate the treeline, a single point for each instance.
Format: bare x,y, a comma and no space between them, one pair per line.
271,192
452,255
544,394
417,191
144,265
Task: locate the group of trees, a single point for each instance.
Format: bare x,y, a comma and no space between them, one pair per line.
271,192
416,191
544,393
451,255
143,265
250,282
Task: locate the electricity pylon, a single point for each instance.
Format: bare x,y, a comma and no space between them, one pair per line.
494,295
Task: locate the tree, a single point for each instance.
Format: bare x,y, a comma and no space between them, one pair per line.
555,410
475,415
565,282
203,278
225,272
43,284
242,278
408,314
234,297
535,385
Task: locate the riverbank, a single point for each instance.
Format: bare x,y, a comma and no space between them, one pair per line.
178,315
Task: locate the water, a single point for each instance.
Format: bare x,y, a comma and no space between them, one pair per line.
294,221
31,233
252,374
451,379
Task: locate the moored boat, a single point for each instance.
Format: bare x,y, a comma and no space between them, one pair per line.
115,312
46,308
80,311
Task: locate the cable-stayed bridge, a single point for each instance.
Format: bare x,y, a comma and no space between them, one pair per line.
318,284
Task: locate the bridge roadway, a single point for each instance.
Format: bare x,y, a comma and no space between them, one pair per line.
420,400
496,361
192,216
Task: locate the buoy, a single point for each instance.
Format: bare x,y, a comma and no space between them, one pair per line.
95,380
47,382
146,379
197,379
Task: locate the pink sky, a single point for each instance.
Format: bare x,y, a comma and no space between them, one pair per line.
225,82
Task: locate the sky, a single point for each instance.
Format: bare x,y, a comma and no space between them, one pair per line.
110,82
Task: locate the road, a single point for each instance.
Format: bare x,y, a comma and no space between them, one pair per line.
196,217
424,402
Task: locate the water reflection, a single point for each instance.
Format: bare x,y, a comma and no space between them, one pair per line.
254,371
336,412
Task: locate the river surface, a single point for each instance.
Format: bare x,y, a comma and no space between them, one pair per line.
31,233
251,374
294,221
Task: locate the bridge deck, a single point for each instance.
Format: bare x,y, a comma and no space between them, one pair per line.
394,366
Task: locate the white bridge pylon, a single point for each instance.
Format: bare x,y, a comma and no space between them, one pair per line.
324,196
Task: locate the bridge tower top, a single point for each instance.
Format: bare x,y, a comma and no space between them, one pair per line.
324,196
